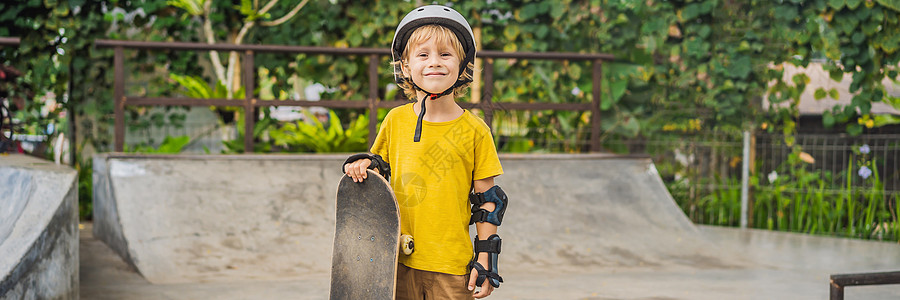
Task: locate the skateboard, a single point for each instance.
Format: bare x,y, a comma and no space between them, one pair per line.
366,240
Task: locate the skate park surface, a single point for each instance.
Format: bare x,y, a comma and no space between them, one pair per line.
578,227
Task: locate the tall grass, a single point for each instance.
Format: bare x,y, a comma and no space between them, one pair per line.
800,201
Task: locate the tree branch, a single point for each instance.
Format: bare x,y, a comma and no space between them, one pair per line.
239,39
232,63
210,39
267,7
286,17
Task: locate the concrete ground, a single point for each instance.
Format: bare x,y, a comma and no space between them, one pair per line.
782,266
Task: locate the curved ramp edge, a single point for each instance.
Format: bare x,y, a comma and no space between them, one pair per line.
39,249
576,214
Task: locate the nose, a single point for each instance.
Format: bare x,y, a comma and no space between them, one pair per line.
433,60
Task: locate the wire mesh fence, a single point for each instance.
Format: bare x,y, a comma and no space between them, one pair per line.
840,158
204,136
836,184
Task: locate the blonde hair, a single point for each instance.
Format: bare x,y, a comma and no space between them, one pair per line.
442,36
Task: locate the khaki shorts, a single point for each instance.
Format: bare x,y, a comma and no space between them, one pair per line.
415,284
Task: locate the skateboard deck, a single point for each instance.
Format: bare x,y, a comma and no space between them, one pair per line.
366,240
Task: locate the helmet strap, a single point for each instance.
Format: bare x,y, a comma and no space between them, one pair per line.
418,136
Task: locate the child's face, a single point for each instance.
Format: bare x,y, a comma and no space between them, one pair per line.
432,66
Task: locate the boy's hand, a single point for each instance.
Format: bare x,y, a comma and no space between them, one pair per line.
486,287
357,169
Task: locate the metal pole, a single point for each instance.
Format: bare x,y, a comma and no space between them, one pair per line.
119,98
487,92
839,281
73,130
836,291
745,179
596,89
249,101
373,98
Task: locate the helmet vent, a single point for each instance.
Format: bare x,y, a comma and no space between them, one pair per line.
421,9
447,10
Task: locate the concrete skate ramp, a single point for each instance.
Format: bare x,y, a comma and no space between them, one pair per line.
217,218
38,229
583,212
222,218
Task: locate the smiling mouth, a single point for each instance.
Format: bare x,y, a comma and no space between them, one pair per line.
435,74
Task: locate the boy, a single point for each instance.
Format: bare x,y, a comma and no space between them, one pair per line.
437,153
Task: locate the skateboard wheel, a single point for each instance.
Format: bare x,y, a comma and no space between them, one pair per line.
407,244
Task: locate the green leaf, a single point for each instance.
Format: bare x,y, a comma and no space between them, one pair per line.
632,127
247,8
606,102
834,94
557,10
740,67
800,78
541,31
888,40
885,119
354,38
511,32
529,11
691,11
788,13
196,87
858,38
836,74
575,71
837,4
893,102
174,144
827,119
892,4
819,94
193,7
854,129
617,89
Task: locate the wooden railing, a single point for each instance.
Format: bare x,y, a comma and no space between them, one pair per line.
250,101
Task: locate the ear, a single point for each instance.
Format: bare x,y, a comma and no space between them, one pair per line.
404,67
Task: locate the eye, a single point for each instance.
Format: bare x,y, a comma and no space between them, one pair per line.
445,54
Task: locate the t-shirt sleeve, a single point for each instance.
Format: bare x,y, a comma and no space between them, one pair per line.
487,163
382,140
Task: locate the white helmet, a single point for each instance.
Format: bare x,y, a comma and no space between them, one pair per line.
437,15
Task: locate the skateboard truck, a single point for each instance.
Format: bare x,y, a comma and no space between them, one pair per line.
406,244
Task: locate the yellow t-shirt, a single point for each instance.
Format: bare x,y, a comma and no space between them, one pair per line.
432,180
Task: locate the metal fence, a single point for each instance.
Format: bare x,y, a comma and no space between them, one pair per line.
205,137
714,156
251,101
705,168
840,157
693,166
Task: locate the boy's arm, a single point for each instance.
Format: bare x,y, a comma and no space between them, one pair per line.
356,166
484,230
